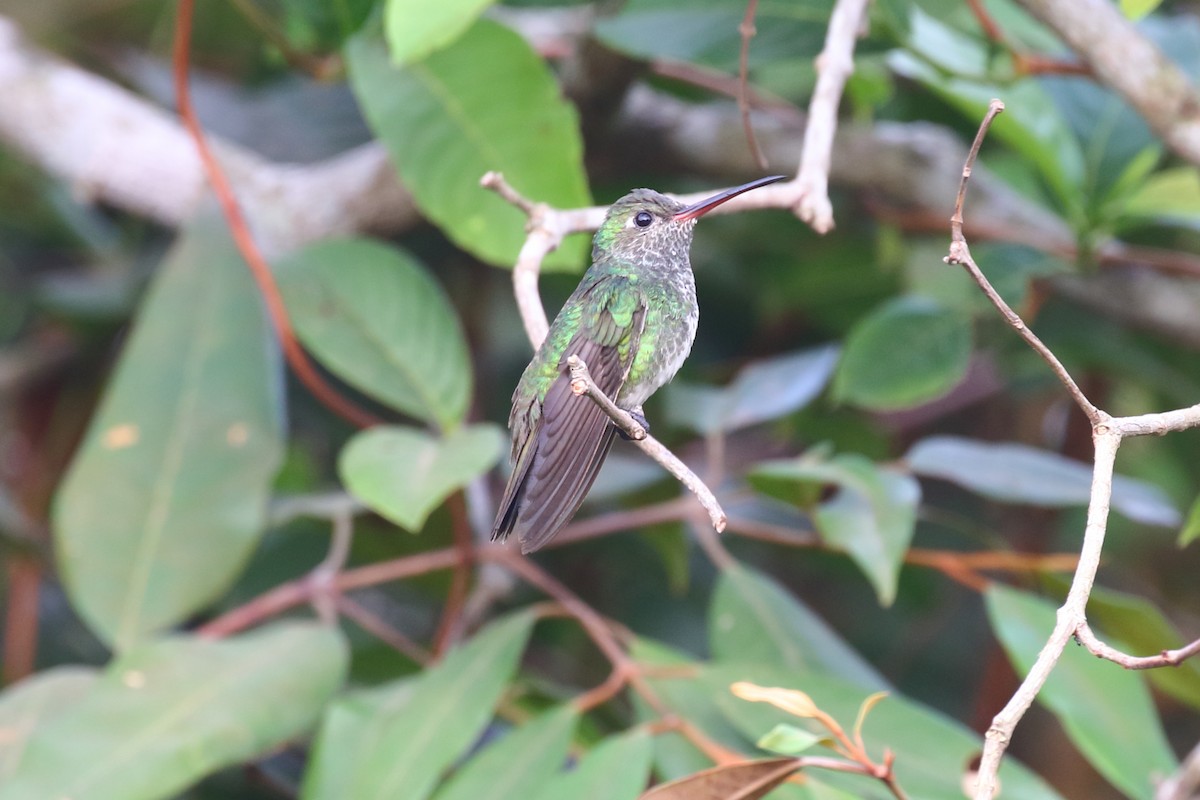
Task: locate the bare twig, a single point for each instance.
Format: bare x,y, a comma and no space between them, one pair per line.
1185,783
583,385
960,254
370,622
239,228
747,30
450,627
1167,658
1107,434
834,66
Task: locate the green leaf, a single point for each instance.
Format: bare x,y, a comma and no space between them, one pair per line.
30,704
1171,196
518,765
414,28
904,354
1191,526
1015,473
169,712
871,517
788,740
1142,629
405,743
617,769
957,68
762,391
932,751
375,317
166,499
752,618
1106,711
1137,9
445,125
403,473
707,32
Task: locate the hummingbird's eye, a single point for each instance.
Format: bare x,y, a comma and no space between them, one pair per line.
643,219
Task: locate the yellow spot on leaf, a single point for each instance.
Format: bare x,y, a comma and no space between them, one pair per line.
238,434
134,679
790,700
118,437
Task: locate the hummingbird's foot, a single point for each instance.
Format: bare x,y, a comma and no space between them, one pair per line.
639,418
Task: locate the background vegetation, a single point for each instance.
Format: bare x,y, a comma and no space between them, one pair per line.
224,579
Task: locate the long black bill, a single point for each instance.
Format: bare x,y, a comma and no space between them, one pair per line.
709,203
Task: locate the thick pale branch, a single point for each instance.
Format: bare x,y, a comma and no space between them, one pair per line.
1122,57
834,65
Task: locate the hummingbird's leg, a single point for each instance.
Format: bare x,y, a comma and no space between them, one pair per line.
639,417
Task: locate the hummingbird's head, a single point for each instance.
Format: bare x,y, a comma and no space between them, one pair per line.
649,227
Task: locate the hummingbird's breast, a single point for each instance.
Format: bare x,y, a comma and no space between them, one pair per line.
667,336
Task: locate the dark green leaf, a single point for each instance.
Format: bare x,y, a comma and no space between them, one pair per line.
1016,473
408,742
617,769
31,703
445,125
376,318
872,516
168,712
904,354
414,28
753,619
520,764
403,473
165,500
932,750
1107,711
761,391
707,32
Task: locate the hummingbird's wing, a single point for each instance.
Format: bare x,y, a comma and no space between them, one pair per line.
566,437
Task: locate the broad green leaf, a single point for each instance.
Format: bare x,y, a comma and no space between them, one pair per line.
520,764
617,769
707,32
871,517
788,740
166,498
404,474
904,354
169,712
674,756
957,68
1016,473
748,780
1171,196
932,751
415,28
761,391
30,704
407,744
445,125
1106,711
1140,628
1191,525
752,618
375,317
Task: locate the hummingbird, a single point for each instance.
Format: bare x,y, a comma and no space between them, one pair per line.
632,320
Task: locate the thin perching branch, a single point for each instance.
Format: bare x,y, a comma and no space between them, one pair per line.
1107,434
747,31
834,65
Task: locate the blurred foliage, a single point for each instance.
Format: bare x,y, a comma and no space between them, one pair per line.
868,416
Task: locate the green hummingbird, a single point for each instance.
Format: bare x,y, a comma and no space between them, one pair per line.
632,320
